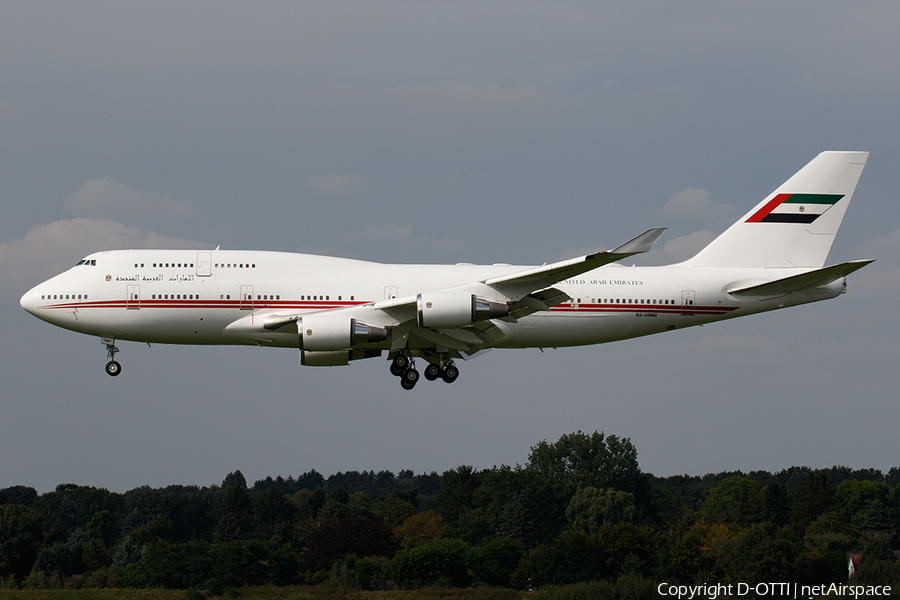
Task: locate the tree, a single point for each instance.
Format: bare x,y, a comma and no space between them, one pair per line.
738,500
591,508
458,493
445,560
420,529
236,511
775,507
20,535
581,460
353,535
274,515
393,511
813,497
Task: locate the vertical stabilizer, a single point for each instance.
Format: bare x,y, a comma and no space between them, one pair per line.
796,224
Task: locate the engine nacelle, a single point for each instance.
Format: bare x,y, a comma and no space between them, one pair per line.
446,310
334,358
324,332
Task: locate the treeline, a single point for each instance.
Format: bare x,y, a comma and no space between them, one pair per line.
580,510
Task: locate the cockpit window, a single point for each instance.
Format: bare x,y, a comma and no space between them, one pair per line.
87,263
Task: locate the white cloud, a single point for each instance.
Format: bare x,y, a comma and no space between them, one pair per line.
105,196
677,249
47,250
692,203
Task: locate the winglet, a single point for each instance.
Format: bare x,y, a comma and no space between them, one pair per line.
641,243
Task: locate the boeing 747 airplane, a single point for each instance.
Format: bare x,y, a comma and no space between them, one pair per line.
337,310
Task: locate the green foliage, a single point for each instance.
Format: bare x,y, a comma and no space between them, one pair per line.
590,508
580,510
336,539
442,562
580,460
494,563
569,558
393,511
876,571
367,573
813,497
20,536
737,499
625,587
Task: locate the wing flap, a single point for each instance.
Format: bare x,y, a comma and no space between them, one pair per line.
536,302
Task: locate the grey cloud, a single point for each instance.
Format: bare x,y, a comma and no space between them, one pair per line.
106,196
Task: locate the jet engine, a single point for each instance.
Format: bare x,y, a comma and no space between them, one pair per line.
447,310
334,358
324,332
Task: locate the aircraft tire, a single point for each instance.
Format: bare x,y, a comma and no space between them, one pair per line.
432,372
113,368
450,374
409,379
401,362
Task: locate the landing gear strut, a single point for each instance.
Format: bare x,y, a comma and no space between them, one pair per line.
113,368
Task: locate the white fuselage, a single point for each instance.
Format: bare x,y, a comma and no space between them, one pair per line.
191,297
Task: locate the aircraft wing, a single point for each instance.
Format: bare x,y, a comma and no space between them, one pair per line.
781,287
519,285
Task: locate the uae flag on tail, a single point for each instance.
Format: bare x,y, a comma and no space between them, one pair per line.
794,208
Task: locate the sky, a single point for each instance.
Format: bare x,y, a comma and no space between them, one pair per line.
507,131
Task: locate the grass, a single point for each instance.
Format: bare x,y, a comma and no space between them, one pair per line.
319,592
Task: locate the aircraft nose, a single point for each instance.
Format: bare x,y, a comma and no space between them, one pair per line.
27,301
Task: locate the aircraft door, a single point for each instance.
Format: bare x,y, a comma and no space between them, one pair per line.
246,297
687,302
133,297
390,291
204,264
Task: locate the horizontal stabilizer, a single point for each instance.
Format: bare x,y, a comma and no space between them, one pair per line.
824,276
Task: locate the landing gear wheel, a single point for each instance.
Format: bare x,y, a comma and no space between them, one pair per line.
432,372
400,364
450,373
409,379
113,368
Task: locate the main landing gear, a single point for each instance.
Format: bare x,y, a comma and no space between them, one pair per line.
404,367
113,368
